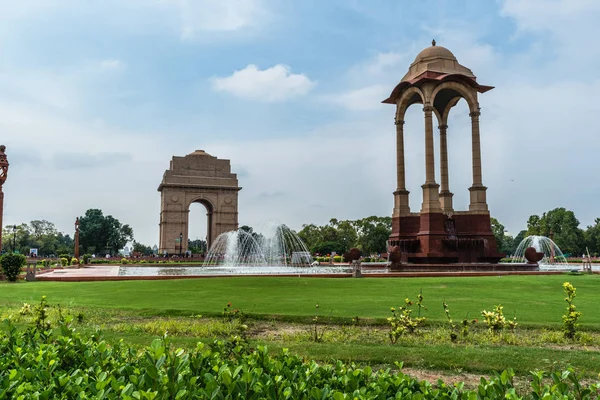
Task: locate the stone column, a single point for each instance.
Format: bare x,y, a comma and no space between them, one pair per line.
1,214
478,196
431,197
401,206
445,194
3,175
77,238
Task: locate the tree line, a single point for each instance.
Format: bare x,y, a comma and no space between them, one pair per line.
98,234
561,226
105,234
368,234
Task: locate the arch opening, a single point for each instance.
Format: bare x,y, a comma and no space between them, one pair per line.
200,218
459,154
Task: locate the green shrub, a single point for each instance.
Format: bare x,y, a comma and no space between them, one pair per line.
496,321
11,265
64,261
337,259
69,365
124,261
401,322
86,258
571,317
67,256
74,261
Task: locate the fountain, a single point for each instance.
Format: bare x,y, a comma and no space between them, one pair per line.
551,255
278,246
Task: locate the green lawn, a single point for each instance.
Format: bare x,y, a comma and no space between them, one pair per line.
138,311
535,300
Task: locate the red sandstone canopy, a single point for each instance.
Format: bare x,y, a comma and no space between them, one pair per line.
435,63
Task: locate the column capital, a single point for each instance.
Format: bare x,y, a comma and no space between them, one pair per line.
443,127
428,108
475,113
398,122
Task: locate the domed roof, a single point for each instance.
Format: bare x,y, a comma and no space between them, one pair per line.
436,59
437,64
434,52
199,153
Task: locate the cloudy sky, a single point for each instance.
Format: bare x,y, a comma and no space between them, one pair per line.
96,97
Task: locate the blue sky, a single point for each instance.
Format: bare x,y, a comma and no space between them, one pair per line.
95,98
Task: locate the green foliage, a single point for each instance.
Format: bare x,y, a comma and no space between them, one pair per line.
454,329
86,258
72,365
592,237
74,261
99,233
64,261
570,319
401,322
373,233
40,313
369,234
38,234
11,265
562,226
496,320
317,330
142,249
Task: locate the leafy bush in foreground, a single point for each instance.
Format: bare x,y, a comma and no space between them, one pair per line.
11,265
41,364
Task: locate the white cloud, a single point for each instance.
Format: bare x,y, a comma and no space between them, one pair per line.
552,15
111,65
367,98
270,85
197,16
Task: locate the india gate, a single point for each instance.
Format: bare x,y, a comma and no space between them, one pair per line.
196,178
439,234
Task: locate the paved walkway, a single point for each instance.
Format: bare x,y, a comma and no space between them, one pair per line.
85,272
111,273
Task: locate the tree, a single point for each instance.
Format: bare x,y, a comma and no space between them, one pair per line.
197,246
373,233
142,249
346,234
311,236
370,234
518,239
498,230
592,237
101,234
561,225
504,242
533,225
44,237
23,238
118,234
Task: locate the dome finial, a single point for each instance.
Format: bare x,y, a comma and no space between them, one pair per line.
433,42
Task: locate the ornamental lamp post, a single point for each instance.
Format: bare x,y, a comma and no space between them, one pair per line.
3,175
14,238
180,243
77,238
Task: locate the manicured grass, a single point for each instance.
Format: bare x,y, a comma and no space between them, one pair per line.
535,300
139,311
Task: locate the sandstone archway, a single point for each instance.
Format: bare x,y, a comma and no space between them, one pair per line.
196,178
